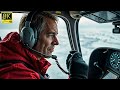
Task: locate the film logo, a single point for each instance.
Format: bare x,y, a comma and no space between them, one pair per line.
6,17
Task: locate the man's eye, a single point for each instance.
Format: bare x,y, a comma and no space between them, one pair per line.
51,35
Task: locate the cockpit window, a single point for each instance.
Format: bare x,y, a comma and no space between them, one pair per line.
93,35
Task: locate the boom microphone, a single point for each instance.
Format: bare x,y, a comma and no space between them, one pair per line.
51,56
46,56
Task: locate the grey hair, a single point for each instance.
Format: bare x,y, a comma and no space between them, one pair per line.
38,21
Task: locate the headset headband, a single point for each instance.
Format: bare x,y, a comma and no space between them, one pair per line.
30,15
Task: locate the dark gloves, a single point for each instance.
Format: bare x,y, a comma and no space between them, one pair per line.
76,66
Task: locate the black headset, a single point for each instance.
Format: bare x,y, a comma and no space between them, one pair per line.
29,34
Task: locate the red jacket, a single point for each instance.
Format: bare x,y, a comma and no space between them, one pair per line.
12,49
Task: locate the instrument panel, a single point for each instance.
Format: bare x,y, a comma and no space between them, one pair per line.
104,63
113,61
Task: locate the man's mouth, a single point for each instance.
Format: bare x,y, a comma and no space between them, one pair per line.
51,50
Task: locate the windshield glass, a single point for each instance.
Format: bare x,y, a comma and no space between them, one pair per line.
93,35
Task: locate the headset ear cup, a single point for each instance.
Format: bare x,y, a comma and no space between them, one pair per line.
27,36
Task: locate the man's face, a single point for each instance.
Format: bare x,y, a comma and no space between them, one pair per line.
47,39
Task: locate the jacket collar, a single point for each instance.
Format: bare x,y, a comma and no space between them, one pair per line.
15,50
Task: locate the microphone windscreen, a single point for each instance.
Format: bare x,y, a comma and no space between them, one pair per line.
54,57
